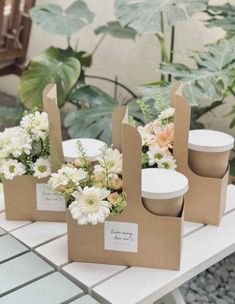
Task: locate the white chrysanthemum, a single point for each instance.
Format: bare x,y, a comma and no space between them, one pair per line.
112,161
145,134
12,168
42,168
167,113
36,124
65,175
155,154
15,141
167,162
90,205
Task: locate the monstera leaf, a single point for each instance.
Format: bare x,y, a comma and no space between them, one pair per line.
145,15
223,16
51,66
116,30
52,17
214,74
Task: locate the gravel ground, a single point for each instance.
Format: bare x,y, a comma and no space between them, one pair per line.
216,285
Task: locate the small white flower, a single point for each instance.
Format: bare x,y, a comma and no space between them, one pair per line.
56,180
167,113
145,134
12,168
42,168
167,162
112,160
36,124
155,154
90,205
14,141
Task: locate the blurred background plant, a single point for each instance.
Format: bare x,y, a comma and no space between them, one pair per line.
206,85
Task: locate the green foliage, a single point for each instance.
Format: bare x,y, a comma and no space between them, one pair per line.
222,16
145,15
146,111
116,30
53,65
214,74
52,17
11,115
232,167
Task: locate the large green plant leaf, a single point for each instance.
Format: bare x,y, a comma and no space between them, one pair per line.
11,115
115,29
222,16
145,15
51,66
214,74
95,121
52,17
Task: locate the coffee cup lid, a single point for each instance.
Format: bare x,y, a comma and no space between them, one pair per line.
91,146
210,141
163,184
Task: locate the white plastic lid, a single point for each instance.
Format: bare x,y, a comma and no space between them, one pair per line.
163,184
210,141
92,147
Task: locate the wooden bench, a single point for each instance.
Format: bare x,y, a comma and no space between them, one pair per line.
34,266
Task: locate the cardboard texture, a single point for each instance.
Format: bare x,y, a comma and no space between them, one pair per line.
206,197
20,193
156,240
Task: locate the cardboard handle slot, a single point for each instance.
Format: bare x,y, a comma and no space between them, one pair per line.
120,115
51,108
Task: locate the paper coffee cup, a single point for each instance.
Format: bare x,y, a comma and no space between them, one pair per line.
92,147
163,191
209,152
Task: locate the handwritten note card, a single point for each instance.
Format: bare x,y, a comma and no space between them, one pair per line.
121,236
49,200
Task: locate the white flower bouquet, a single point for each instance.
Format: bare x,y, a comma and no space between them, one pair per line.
24,150
157,141
92,191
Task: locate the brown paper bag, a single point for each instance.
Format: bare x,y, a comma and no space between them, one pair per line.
136,237
29,198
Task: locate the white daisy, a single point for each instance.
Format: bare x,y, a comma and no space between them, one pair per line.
112,161
90,205
156,154
167,113
12,168
167,162
73,174
56,180
42,168
36,124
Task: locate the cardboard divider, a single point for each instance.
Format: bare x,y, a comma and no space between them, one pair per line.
20,194
155,241
206,197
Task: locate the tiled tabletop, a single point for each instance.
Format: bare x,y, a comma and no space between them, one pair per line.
34,266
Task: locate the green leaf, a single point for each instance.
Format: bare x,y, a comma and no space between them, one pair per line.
213,76
52,17
232,167
11,115
90,95
145,15
52,66
115,29
84,58
222,16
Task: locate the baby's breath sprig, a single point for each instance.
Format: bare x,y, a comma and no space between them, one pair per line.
83,159
146,111
104,164
132,121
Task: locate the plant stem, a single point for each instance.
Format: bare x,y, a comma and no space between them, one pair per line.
68,41
172,48
98,44
113,81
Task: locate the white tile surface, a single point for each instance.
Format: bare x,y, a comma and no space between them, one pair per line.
55,251
38,233
201,249
11,225
89,275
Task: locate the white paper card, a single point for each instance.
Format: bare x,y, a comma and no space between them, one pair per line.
48,199
121,236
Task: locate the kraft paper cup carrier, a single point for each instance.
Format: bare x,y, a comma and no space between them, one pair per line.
136,237
30,198
205,200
